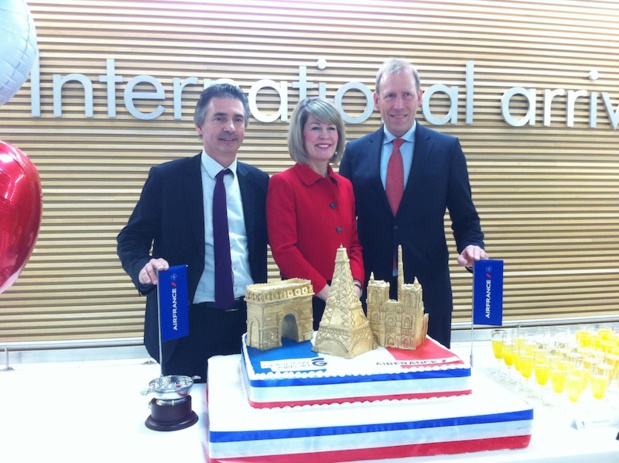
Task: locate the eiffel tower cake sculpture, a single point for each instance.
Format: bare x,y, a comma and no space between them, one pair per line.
344,330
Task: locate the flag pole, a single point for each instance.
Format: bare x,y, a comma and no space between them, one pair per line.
159,328
472,271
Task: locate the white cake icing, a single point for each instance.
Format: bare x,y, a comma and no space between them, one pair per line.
295,375
490,418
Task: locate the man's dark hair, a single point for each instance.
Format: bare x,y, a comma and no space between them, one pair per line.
219,91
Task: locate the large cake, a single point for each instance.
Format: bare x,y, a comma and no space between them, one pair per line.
491,418
335,396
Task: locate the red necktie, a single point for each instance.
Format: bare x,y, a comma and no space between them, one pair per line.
395,176
224,293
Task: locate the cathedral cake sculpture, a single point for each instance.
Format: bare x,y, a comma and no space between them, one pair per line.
401,324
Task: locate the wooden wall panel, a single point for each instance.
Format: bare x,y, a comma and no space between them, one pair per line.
547,195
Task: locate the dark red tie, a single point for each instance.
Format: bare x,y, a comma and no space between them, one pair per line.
394,185
224,293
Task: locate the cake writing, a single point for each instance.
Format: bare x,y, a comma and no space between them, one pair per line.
440,361
317,363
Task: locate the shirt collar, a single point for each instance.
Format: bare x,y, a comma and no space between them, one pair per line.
308,176
212,167
408,136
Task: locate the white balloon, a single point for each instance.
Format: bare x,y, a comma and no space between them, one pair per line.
18,37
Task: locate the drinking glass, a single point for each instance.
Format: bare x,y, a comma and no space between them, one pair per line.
498,337
542,369
508,357
598,384
599,380
574,385
557,375
520,339
527,363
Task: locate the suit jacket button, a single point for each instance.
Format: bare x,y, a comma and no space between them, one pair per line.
332,205
338,229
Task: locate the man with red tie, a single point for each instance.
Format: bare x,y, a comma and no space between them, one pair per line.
405,177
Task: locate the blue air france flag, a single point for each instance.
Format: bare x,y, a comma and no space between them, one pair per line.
173,303
488,292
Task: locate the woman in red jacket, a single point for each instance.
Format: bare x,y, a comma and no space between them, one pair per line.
310,208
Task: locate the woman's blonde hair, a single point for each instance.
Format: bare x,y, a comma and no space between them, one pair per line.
325,113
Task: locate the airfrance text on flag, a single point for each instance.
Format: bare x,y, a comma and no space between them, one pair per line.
173,303
488,292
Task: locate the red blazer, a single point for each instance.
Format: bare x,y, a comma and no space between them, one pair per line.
308,218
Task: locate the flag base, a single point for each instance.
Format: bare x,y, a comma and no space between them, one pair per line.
171,415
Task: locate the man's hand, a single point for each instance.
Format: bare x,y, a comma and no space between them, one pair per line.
148,275
470,255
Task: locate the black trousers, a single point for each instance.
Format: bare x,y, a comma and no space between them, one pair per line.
211,332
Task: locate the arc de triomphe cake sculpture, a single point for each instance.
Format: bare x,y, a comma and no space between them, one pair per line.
283,308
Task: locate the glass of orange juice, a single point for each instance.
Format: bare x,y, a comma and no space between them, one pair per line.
527,364
575,383
498,338
600,378
557,373
542,369
508,356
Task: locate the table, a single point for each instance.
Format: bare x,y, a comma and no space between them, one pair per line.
90,412
94,412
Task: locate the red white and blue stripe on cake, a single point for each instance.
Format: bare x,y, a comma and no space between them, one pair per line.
295,375
491,418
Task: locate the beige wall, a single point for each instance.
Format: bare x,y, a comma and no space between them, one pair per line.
548,195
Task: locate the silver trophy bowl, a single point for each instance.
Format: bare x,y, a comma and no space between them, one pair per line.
170,387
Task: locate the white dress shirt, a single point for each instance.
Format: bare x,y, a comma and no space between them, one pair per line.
236,227
407,149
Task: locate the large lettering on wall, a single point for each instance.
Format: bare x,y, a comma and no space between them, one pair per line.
134,91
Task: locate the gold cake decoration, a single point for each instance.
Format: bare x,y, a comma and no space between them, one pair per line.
280,309
344,329
401,324
284,309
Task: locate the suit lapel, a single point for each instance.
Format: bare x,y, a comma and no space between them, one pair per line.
245,185
421,156
374,153
195,201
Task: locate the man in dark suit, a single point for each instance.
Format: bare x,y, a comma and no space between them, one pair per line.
174,216
435,179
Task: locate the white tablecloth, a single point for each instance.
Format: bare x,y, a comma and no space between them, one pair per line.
94,412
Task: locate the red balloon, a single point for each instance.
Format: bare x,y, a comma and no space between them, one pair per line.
20,212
